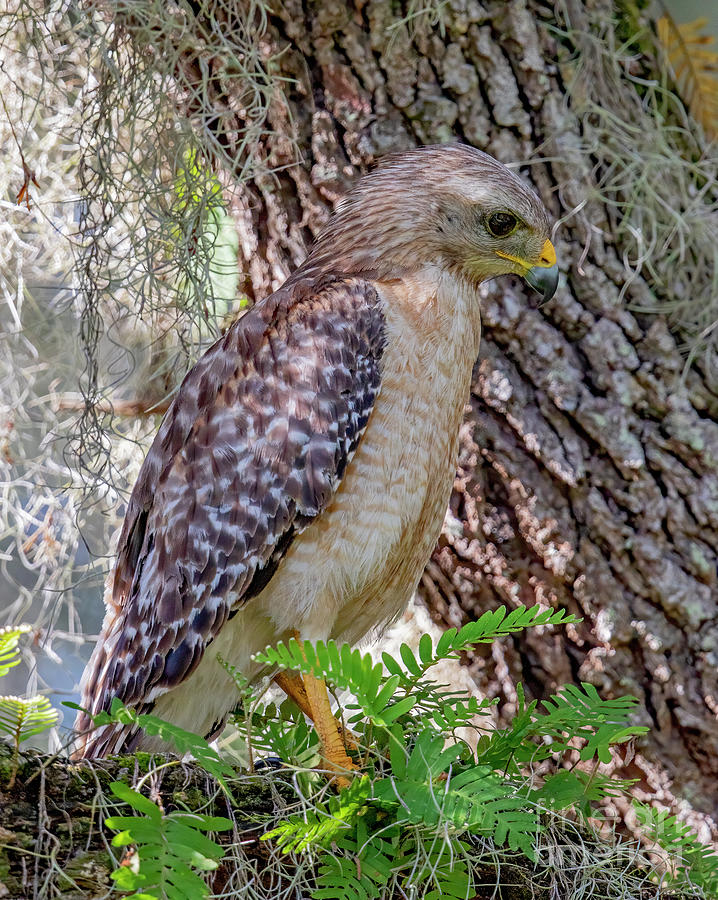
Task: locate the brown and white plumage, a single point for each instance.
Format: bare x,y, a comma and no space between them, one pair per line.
299,480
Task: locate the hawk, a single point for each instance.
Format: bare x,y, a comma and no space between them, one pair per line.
299,480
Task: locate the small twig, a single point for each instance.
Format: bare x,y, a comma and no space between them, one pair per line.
28,173
15,754
42,830
29,176
152,772
116,407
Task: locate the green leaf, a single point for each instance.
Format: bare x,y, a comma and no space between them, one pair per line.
322,825
24,718
425,649
409,660
124,838
205,822
429,758
391,665
136,800
518,829
395,711
139,828
446,642
9,638
169,847
183,877
178,833
134,822
384,696
127,880
560,790
695,863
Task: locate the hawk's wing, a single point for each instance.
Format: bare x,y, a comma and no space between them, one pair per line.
252,449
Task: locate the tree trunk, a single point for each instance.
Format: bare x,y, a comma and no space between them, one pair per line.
588,474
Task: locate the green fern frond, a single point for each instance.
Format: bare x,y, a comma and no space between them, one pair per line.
168,848
579,711
322,826
339,878
9,639
297,745
433,786
695,862
360,863
446,710
452,881
444,869
576,788
22,718
574,712
452,713
347,669
384,699
474,799
241,682
491,626
374,847
429,758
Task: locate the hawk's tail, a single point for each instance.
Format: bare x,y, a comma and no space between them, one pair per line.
107,740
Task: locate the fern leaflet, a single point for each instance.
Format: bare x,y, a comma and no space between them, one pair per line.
697,863
9,639
168,849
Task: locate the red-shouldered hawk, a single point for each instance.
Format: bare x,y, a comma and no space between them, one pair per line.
298,482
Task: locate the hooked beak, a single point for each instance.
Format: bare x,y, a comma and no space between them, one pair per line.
543,280
542,275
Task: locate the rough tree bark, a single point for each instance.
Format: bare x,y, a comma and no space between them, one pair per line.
589,469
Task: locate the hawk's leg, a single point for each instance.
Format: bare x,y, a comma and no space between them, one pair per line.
311,696
293,686
335,756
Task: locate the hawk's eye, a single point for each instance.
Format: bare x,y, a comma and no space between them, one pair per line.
501,224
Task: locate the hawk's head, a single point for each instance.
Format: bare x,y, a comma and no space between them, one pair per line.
449,206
